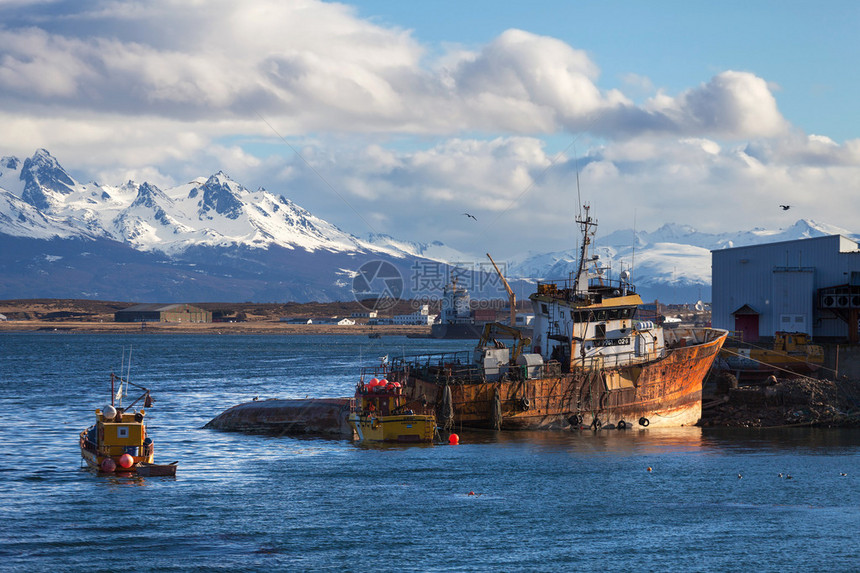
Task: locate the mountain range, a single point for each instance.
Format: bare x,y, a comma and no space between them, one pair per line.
211,239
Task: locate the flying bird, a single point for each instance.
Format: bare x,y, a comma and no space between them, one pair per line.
785,207
470,216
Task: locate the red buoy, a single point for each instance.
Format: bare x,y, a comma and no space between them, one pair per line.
108,465
126,461
453,439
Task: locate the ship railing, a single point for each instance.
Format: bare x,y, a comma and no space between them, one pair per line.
441,366
566,288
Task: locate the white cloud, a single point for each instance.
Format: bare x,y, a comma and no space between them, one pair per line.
169,90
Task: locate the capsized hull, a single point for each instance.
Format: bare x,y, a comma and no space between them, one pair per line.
407,428
662,393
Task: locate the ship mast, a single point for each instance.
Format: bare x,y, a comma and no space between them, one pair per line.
585,224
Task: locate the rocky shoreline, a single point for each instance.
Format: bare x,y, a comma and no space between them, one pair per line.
788,402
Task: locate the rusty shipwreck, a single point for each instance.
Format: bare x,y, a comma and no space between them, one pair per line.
591,363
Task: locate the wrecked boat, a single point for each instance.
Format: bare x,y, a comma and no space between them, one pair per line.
591,363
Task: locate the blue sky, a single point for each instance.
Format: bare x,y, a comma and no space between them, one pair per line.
804,47
410,113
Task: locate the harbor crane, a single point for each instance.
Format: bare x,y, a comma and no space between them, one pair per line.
512,298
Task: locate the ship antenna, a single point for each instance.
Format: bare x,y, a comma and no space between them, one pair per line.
578,193
633,255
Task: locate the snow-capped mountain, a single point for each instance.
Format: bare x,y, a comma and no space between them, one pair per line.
672,263
214,211
213,239
213,227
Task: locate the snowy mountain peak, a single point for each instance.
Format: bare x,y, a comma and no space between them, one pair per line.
44,179
222,195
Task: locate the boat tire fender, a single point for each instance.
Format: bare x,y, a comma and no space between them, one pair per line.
596,424
138,417
575,420
643,421
621,425
525,404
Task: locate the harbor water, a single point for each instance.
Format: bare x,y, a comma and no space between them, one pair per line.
712,500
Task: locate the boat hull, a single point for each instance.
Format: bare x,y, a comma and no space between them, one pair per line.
407,428
662,393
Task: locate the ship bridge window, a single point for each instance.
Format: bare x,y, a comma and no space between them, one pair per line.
600,315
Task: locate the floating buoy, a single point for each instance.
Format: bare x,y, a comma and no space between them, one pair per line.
108,465
453,439
471,493
649,468
126,461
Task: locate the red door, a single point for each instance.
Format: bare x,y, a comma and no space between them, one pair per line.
747,324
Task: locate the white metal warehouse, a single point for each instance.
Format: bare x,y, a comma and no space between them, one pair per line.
806,285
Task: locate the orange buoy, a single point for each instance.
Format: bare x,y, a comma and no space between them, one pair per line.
649,468
471,493
126,461
453,439
108,465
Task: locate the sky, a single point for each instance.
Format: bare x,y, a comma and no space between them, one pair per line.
399,117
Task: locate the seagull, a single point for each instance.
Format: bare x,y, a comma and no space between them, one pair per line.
785,207
470,216
843,474
740,476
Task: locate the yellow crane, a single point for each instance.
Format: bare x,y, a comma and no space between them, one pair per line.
512,298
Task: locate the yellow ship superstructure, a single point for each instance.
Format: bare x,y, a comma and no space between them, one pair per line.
379,413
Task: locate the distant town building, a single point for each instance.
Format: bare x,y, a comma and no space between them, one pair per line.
345,322
419,317
367,314
524,320
806,285
163,313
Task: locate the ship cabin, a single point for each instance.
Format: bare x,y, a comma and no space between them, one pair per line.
114,435
594,328
379,396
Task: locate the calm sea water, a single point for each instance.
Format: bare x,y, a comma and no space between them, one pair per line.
543,501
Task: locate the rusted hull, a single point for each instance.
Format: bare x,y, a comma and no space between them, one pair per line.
663,393
285,417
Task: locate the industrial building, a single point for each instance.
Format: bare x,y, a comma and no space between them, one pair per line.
805,285
163,313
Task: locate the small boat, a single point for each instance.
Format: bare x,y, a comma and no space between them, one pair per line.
117,442
146,469
380,413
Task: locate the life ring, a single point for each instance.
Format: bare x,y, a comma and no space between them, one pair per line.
643,421
525,403
596,424
621,425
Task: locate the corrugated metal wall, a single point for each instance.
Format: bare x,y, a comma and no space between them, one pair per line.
781,279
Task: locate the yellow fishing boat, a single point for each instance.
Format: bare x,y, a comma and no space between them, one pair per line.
380,413
117,442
